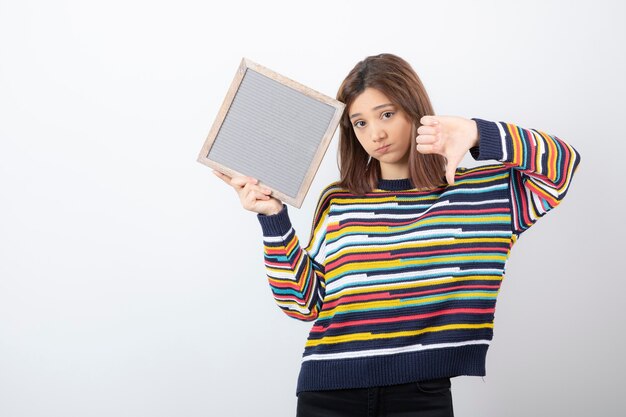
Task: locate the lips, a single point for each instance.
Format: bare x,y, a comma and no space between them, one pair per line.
383,149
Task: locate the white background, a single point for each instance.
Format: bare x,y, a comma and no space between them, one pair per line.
131,281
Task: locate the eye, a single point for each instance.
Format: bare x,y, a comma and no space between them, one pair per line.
356,124
387,114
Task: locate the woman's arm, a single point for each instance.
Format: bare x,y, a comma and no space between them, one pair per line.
542,167
296,275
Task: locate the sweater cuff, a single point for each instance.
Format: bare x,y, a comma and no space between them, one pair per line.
490,141
276,224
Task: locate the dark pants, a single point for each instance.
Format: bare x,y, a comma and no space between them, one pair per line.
431,398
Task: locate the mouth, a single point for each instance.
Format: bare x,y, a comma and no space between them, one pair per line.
383,149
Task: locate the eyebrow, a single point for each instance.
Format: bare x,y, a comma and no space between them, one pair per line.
375,108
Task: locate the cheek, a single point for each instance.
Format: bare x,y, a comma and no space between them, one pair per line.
363,146
366,146
405,132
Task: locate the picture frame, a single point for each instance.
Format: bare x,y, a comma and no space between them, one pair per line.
271,128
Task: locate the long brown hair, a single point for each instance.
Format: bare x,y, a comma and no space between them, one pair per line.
395,78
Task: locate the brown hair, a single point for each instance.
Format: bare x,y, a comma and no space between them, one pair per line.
395,78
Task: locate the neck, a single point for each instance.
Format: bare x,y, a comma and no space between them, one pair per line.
394,172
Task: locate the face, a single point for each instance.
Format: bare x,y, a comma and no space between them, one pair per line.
384,130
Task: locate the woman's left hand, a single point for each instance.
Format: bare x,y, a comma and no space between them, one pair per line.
449,136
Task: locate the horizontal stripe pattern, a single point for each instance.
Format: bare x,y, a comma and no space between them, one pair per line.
542,168
408,272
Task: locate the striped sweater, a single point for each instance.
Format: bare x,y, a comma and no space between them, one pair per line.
403,283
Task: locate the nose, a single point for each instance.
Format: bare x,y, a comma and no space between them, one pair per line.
377,133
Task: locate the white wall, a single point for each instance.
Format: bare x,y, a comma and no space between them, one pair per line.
131,281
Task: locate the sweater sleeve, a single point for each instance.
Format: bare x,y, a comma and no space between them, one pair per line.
296,274
542,167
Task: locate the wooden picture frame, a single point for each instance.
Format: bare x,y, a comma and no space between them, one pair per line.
271,128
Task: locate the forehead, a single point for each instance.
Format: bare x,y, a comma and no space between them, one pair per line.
367,100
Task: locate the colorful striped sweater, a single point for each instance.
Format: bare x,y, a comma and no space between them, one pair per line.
403,283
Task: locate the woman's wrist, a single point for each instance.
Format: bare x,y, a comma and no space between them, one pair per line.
475,137
272,211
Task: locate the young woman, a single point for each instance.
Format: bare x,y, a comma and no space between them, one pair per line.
407,251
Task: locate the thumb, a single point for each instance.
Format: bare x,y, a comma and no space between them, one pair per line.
451,166
450,174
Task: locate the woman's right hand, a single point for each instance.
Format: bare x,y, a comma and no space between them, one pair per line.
253,197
